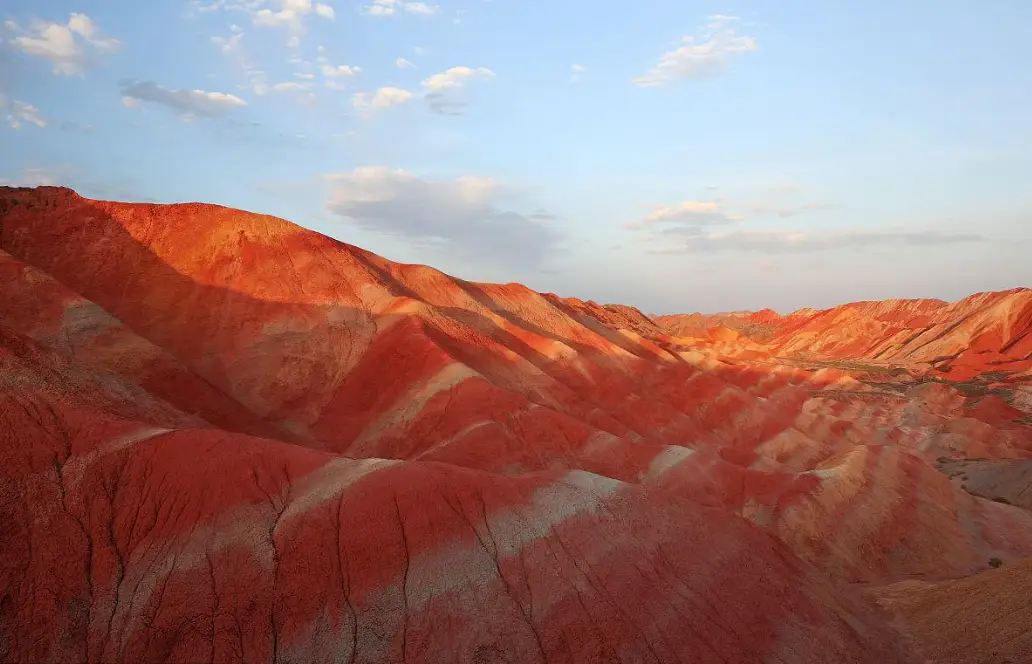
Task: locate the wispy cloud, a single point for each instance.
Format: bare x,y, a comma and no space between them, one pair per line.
716,225
340,71
788,242
435,91
230,44
700,55
403,63
291,17
71,48
19,113
461,214
456,77
385,97
195,7
188,103
393,7
686,214
439,89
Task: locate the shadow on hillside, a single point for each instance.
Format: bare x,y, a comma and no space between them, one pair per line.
205,325
475,292
82,246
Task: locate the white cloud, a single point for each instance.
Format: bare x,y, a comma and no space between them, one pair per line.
332,74
200,7
438,88
402,63
383,98
435,90
456,77
304,76
261,87
71,48
340,71
19,113
289,86
578,69
460,214
188,103
689,217
419,8
291,17
255,79
693,227
302,91
392,7
700,56
686,213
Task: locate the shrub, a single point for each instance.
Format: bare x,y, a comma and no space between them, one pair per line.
995,562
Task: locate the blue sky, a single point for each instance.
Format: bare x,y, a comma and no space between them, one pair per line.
677,156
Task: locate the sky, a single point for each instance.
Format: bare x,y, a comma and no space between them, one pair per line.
676,156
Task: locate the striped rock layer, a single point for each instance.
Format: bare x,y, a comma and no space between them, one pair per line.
228,438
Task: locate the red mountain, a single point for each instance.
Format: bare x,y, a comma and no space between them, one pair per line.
229,438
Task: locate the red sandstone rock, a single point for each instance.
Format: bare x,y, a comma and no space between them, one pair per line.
246,441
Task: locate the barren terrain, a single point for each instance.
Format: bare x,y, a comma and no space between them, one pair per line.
229,438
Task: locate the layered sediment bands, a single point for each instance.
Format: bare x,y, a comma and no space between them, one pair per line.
986,333
127,542
228,438
34,304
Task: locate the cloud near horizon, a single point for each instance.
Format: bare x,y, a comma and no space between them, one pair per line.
690,227
460,214
789,242
686,214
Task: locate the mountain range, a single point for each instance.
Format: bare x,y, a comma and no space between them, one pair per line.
226,437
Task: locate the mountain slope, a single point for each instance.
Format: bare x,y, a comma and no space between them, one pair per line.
260,408
149,540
